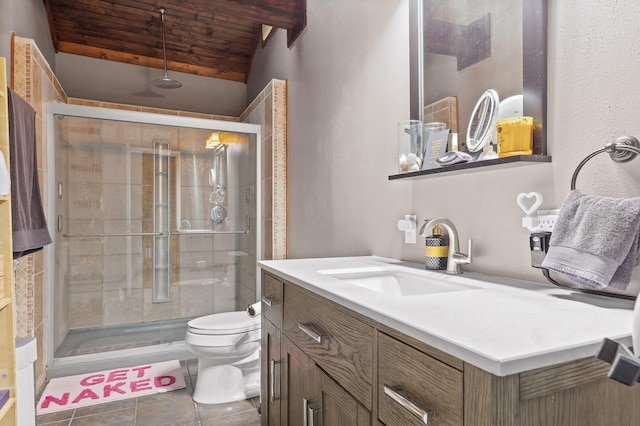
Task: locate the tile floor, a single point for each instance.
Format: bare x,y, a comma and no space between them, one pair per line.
174,408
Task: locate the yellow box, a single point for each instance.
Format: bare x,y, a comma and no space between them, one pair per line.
1,287
515,136
1,265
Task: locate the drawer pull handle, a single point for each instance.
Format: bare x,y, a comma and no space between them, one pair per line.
312,415
305,412
308,413
267,300
394,393
273,380
309,332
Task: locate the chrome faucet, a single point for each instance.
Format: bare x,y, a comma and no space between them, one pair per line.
454,259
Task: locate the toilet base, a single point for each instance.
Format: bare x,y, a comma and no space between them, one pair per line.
226,383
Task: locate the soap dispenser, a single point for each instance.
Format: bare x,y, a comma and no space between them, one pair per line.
436,248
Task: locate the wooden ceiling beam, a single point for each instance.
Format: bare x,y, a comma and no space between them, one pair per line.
52,27
145,61
277,13
300,25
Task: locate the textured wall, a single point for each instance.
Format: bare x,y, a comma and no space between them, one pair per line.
348,88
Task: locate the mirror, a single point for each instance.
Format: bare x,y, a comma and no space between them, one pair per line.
461,48
482,123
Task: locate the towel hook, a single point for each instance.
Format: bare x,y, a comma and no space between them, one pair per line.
622,150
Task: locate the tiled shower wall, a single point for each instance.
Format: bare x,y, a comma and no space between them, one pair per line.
269,109
33,79
108,181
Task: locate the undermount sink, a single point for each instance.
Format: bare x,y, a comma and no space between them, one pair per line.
396,282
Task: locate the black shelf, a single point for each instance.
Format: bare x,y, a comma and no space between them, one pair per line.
476,166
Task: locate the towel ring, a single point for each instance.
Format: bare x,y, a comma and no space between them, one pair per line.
622,150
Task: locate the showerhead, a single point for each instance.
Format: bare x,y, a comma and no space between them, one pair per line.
165,82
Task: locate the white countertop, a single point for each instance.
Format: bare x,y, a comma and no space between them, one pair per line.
504,326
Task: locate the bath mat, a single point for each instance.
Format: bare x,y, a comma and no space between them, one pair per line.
82,390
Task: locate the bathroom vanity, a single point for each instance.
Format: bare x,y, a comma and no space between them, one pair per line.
371,341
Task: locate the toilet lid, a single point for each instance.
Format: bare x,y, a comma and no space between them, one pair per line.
224,323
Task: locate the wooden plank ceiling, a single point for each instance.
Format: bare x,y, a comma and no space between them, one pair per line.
213,38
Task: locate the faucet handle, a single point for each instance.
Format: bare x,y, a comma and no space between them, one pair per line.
464,259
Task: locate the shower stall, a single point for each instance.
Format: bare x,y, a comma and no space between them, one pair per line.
155,221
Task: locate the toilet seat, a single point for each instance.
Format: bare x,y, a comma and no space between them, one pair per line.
224,324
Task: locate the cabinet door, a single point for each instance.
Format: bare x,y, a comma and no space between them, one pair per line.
312,398
270,369
336,406
299,388
339,343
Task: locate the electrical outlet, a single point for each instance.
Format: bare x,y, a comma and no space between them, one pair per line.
410,234
408,225
547,219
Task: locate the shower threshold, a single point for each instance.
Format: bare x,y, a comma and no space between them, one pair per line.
127,345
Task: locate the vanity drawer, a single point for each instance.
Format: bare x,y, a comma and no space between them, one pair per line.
330,335
272,290
412,377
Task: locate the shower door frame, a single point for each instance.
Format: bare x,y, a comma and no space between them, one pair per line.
84,363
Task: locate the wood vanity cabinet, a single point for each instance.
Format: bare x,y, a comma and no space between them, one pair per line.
270,354
322,372
408,376
328,365
312,397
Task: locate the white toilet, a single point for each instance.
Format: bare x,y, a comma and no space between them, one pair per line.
227,346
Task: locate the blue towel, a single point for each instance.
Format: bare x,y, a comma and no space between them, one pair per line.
596,240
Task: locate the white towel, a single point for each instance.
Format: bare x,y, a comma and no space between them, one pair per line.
596,240
5,179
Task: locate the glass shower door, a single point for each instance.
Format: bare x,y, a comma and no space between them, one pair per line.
114,215
155,228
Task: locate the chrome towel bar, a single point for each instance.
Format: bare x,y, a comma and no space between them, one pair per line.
622,150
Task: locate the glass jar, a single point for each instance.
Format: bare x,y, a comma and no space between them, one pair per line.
410,146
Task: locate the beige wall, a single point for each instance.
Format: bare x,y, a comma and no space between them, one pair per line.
25,18
348,87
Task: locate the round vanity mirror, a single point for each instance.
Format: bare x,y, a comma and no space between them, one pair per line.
483,121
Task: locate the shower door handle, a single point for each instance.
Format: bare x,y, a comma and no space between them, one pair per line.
126,234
